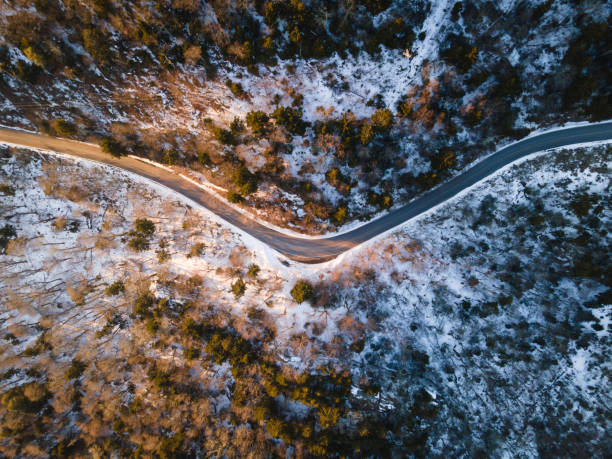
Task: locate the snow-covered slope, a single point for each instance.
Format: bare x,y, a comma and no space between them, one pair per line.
487,322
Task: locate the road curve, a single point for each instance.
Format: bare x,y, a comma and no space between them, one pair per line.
323,249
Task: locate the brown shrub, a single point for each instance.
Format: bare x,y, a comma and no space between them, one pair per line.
48,183
238,255
16,246
78,292
35,392
74,193
59,223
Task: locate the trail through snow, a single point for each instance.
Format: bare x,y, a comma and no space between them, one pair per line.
429,45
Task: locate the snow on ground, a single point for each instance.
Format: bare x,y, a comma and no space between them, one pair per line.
489,185
390,75
428,47
451,287
430,293
105,203
356,224
183,102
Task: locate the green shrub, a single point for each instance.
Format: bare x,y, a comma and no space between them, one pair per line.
599,109
375,6
457,8
7,232
15,401
509,85
235,87
244,180
8,374
254,270
328,416
143,304
261,413
581,205
27,72
74,226
160,379
204,158
115,288
334,176
269,45
7,190
191,328
234,198
138,243
504,300
196,250
357,346
340,216
224,137
76,369
224,345
302,291
385,201
112,320
238,287
367,134
64,128
170,446
162,256
591,36
236,126
39,55
145,227
460,53
443,160
102,6
112,147
171,157
585,266
277,428
255,313
257,121
427,180
382,119
291,119
373,198
151,325
295,36
39,346
306,187
191,353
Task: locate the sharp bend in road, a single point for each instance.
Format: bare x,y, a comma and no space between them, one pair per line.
322,249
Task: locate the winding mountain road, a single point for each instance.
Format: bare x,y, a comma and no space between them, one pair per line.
321,249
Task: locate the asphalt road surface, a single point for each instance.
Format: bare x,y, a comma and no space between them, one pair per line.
322,249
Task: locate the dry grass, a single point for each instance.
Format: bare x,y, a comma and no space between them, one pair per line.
16,247
78,291
59,224
104,243
48,181
238,256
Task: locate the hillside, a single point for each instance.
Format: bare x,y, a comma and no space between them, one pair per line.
134,323
166,166
310,114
